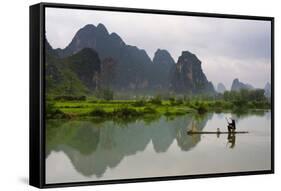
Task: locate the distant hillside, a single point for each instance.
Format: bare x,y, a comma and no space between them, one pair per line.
221,88
97,59
237,85
86,65
132,62
71,75
267,90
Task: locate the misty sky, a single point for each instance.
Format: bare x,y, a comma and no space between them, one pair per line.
228,48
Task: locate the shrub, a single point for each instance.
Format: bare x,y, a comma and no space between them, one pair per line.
156,100
201,108
240,103
218,104
260,104
149,110
52,111
70,98
126,112
187,103
179,101
139,103
172,100
98,112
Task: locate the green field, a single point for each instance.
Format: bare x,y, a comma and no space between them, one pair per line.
112,109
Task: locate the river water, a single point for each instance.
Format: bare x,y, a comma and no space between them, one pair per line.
90,151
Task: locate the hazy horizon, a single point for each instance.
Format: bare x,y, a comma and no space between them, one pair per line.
227,48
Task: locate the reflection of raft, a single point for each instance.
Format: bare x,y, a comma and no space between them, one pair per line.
215,132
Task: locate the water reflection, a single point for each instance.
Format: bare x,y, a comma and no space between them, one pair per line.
95,146
231,140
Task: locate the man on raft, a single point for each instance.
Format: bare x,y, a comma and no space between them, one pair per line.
231,126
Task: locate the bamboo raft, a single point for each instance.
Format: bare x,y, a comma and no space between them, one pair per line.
215,132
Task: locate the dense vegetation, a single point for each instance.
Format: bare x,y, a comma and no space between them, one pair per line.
103,105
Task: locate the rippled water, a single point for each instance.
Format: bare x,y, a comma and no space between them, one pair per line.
89,151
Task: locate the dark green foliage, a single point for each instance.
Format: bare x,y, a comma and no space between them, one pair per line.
149,110
175,102
106,94
202,109
70,98
60,79
244,99
73,106
179,101
86,65
139,103
187,102
218,105
52,111
172,100
260,104
156,100
240,103
244,94
70,84
126,112
98,112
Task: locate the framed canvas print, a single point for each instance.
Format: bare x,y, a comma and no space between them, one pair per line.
126,95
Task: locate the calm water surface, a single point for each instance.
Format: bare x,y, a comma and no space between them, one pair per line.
88,151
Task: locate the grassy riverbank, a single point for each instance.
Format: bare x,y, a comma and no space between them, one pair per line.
141,108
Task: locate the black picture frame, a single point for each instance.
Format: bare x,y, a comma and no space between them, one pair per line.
37,94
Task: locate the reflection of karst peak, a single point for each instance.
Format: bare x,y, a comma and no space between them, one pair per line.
186,144
93,148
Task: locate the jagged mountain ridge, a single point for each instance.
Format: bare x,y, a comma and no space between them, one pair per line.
132,62
237,85
221,88
129,67
188,76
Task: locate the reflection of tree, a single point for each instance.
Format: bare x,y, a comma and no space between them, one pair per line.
244,114
92,148
239,115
